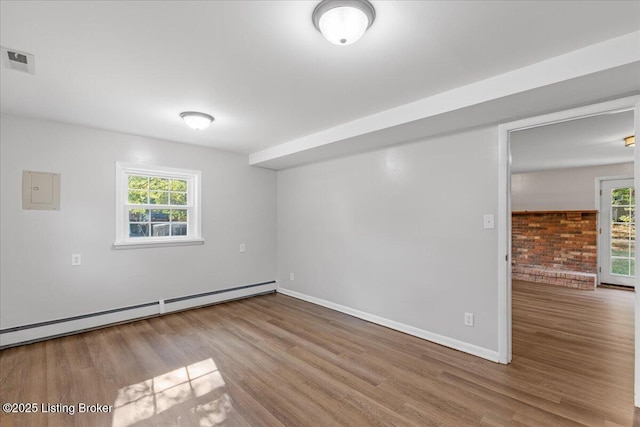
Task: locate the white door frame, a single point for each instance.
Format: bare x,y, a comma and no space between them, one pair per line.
504,214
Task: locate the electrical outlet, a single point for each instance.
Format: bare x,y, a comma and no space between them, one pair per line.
292,276
76,259
468,319
243,248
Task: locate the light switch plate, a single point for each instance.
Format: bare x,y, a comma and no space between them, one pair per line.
489,222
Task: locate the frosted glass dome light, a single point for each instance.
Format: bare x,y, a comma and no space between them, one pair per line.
343,22
195,120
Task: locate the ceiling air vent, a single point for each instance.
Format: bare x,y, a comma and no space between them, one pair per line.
19,61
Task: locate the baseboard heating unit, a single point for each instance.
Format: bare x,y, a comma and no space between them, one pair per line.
26,334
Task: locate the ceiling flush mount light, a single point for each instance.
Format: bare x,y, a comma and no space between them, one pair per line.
630,141
195,120
343,22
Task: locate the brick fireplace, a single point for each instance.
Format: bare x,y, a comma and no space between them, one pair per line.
555,247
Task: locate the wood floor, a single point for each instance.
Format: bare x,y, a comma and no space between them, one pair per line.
274,360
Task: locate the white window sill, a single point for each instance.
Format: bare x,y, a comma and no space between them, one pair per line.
157,243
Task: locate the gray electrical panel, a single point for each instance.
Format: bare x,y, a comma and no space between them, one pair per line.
40,190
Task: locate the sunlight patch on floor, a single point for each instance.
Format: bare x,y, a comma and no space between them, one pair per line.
148,398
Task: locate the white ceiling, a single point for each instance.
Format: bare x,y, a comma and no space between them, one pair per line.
262,69
590,141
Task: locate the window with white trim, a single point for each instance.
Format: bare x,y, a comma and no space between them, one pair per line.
156,206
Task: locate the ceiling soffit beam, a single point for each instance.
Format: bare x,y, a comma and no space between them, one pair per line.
595,58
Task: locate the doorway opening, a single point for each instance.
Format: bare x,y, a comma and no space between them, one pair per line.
629,104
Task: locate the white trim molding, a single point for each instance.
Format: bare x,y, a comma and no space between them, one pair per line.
407,329
636,172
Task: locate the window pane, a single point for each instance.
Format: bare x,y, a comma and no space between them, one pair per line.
620,266
179,215
160,229
620,196
138,215
138,182
621,214
620,231
178,198
178,185
620,247
160,215
138,197
159,184
158,198
178,229
632,271
138,230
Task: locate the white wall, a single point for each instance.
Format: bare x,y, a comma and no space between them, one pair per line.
561,189
37,282
398,234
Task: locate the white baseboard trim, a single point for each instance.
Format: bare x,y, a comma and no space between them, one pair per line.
407,329
39,333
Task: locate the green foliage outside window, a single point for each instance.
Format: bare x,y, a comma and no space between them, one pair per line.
157,191
623,231
146,190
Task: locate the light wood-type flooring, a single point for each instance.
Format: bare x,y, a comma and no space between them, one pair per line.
274,360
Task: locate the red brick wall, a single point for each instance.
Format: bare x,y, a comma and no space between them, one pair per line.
557,242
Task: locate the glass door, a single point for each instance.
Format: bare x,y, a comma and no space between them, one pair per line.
617,232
